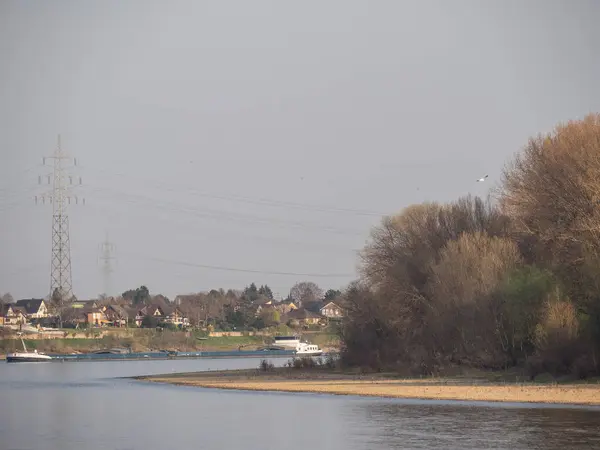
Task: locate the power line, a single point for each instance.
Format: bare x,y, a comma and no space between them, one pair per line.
233,269
215,214
256,201
189,228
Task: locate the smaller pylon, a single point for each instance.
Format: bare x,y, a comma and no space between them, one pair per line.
106,260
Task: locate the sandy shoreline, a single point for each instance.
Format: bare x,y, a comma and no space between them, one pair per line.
376,386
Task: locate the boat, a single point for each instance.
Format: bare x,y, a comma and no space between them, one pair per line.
286,341
112,351
304,349
26,356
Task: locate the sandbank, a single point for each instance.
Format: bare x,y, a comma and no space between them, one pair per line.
387,387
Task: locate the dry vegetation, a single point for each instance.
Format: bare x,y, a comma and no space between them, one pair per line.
490,284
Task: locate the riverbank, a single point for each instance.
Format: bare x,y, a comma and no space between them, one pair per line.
141,340
387,386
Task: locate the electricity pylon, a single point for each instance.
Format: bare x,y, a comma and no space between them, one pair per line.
106,259
61,284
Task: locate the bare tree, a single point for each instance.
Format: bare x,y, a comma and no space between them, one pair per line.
305,292
395,304
552,189
464,316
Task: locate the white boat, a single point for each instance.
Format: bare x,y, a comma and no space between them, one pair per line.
304,349
286,341
26,356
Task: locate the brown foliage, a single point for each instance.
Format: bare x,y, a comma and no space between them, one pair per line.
559,326
552,193
389,313
464,313
199,307
560,348
552,190
305,292
466,282
404,246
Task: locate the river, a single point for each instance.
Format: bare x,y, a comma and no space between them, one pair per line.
89,405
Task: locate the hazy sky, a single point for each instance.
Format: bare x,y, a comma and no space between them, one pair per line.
266,136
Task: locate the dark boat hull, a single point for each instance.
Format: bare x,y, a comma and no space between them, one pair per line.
172,355
14,359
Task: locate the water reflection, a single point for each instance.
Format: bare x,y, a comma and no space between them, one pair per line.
402,425
89,406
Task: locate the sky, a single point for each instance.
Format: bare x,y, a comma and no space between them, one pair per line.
221,143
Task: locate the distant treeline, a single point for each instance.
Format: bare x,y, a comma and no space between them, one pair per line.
511,280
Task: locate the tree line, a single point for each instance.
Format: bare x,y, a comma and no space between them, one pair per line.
234,309
511,280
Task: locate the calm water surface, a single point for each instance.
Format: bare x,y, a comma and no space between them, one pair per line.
86,405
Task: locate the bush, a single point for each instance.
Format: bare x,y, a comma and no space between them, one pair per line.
266,366
559,348
307,362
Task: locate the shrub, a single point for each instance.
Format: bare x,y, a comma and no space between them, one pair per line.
266,366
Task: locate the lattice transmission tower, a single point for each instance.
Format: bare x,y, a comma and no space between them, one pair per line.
106,260
60,197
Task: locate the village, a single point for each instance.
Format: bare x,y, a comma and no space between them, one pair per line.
215,311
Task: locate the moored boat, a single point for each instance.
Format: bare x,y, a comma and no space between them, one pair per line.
286,341
27,356
304,349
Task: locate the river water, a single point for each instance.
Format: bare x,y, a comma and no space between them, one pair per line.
88,405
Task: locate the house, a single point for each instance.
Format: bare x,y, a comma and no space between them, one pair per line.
80,304
161,312
304,317
13,315
174,316
263,301
137,313
116,314
141,311
75,317
34,308
95,317
285,307
155,310
332,311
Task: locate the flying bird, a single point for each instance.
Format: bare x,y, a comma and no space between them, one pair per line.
482,179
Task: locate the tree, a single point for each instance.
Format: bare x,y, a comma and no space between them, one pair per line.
59,304
250,293
463,316
485,284
265,291
332,294
237,318
6,298
139,296
56,298
149,322
557,337
403,246
520,297
552,191
305,292
390,308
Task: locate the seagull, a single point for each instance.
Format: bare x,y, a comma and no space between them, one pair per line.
482,179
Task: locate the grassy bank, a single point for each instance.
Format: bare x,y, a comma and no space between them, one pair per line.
149,340
476,387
